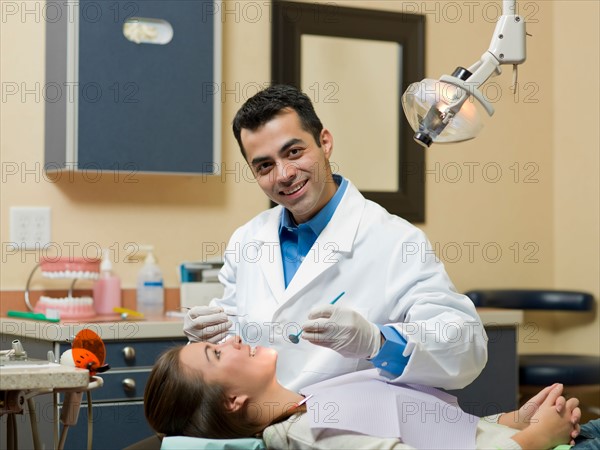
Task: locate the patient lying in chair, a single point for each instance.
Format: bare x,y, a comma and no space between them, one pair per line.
229,390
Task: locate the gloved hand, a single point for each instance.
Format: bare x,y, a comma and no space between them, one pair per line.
343,330
206,323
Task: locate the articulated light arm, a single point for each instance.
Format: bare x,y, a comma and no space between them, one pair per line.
443,111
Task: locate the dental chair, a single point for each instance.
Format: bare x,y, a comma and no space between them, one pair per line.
189,443
578,373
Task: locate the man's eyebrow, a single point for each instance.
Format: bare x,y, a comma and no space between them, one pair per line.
284,147
290,143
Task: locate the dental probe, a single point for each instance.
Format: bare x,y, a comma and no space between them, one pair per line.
295,338
187,308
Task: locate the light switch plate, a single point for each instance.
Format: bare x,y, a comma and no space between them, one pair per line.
30,227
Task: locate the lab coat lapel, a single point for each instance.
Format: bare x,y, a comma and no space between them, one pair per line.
336,239
269,258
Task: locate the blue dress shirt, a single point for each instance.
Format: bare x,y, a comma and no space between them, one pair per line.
297,240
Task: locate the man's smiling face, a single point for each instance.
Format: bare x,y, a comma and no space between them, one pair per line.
290,167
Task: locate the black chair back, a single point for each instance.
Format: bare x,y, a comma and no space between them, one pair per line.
539,299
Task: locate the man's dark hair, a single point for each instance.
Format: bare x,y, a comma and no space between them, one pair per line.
268,103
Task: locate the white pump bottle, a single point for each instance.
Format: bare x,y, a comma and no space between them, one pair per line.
150,289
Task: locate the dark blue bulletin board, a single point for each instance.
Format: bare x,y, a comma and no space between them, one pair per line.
148,107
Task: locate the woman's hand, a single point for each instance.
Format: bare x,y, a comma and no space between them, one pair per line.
555,421
522,417
573,405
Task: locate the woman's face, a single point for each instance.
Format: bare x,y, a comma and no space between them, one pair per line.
232,365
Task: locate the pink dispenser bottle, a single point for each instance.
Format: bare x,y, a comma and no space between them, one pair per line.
107,290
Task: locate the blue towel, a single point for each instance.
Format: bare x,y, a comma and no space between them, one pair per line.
191,443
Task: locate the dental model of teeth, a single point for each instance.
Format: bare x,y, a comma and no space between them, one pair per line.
66,308
71,274
70,267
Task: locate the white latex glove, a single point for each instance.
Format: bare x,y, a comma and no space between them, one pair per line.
206,323
343,330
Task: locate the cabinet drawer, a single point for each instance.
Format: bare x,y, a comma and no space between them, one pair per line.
122,385
135,353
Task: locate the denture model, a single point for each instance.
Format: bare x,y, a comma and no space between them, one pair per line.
68,268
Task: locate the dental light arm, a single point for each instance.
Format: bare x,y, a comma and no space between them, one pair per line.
443,111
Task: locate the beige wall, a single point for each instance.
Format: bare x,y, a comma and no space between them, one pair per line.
540,211
576,183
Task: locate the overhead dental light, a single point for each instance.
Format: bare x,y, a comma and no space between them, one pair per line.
449,109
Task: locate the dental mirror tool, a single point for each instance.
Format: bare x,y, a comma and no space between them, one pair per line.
295,338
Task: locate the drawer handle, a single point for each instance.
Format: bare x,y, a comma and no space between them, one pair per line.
129,353
128,384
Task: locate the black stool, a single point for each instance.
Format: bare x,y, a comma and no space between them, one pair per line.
578,373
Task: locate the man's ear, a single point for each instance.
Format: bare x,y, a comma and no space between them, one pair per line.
234,403
326,142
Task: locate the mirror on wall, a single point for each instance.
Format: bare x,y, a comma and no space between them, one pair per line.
340,74
355,64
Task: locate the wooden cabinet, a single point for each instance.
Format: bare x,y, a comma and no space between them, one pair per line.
496,389
118,411
113,104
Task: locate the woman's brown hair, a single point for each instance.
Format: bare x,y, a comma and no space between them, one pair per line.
178,402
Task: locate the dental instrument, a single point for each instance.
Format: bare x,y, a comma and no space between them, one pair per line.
295,338
187,308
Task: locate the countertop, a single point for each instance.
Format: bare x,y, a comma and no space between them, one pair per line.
162,327
19,377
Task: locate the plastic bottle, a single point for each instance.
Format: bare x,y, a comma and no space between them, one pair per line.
107,289
150,290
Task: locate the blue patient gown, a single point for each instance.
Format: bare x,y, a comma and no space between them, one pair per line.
589,437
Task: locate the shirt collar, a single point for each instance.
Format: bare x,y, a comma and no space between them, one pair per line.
322,218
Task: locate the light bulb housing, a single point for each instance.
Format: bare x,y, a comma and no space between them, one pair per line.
441,112
448,110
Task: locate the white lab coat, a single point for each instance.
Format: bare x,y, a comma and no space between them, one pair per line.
390,275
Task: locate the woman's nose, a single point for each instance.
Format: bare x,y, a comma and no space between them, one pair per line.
235,342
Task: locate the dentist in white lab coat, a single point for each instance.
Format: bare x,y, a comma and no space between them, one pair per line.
399,312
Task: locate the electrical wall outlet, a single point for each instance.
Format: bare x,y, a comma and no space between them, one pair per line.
30,227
